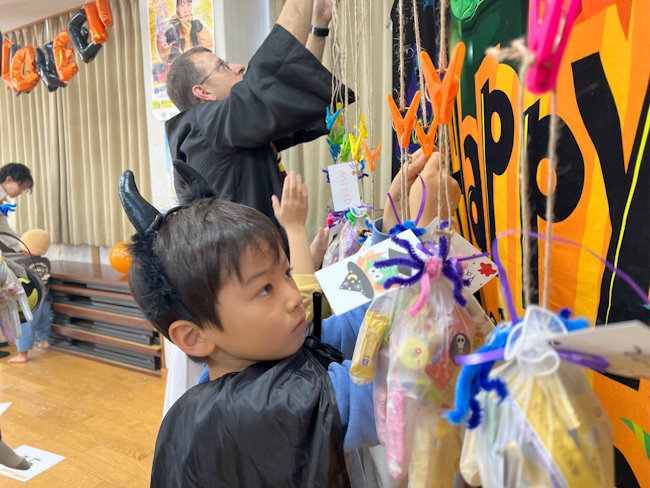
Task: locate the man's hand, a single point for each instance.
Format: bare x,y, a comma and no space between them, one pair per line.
292,211
322,13
395,190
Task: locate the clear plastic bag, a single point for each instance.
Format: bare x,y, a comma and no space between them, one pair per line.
550,430
12,296
345,242
414,379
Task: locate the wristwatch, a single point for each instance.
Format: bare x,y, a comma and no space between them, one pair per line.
319,31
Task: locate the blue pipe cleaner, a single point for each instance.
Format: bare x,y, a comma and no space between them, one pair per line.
474,378
407,225
327,175
7,207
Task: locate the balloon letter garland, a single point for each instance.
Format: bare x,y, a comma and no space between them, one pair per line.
22,67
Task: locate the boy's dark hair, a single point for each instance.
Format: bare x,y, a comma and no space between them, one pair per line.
181,260
182,76
19,173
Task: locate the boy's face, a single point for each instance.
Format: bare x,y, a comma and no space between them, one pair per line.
262,317
14,188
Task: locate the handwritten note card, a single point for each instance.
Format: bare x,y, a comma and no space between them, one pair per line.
344,184
479,271
625,346
355,280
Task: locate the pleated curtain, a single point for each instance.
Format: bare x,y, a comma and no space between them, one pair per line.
309,159
78,139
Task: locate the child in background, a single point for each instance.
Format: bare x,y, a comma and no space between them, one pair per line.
280,410
15,178
36,242
305,259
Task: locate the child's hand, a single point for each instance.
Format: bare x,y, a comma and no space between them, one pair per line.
395,190
430,177
292,212
318,246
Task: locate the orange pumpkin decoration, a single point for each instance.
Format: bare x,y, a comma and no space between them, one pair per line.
120,257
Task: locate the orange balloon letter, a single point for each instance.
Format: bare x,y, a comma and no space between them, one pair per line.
26,80
95,25
6,55
62,55
105,13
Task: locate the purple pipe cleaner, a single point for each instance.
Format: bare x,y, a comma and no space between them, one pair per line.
451,268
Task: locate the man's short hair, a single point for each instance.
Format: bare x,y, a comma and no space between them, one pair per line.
19,173
183,75
199,248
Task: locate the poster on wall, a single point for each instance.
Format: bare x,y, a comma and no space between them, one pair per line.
603,172
175,26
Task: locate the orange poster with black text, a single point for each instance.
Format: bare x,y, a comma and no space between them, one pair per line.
602,183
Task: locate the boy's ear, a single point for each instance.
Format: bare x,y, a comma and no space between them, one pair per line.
190,339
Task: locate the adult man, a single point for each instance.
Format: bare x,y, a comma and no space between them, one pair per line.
232,124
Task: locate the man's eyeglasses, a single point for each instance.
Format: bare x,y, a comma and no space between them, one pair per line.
221,66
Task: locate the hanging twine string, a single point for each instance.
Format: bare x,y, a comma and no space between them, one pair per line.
441,169
336,59
366,34
418,44
442,56
443,134
402,105
369,84
357,63
518,51
344,56
402,92
550,194
447,170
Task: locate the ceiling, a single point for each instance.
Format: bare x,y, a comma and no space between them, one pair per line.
17,13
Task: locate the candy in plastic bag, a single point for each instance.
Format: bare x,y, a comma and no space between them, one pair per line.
550,430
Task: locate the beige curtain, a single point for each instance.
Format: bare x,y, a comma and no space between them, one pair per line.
309,159
79,139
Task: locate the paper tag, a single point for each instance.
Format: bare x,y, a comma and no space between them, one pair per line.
41,461
344,185
479,271
625,345
355,281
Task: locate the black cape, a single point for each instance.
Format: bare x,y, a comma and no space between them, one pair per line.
275,424
232,143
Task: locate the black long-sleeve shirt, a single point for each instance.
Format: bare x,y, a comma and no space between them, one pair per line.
279,103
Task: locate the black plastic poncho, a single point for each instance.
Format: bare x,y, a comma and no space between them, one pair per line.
275,424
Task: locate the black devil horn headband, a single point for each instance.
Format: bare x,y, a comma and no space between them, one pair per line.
139,211
197,184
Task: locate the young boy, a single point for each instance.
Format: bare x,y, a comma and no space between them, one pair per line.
280,410
15,178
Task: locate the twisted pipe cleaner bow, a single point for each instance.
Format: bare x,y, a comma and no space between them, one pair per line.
431,266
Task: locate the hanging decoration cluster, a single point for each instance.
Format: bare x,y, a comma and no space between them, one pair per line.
22,67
